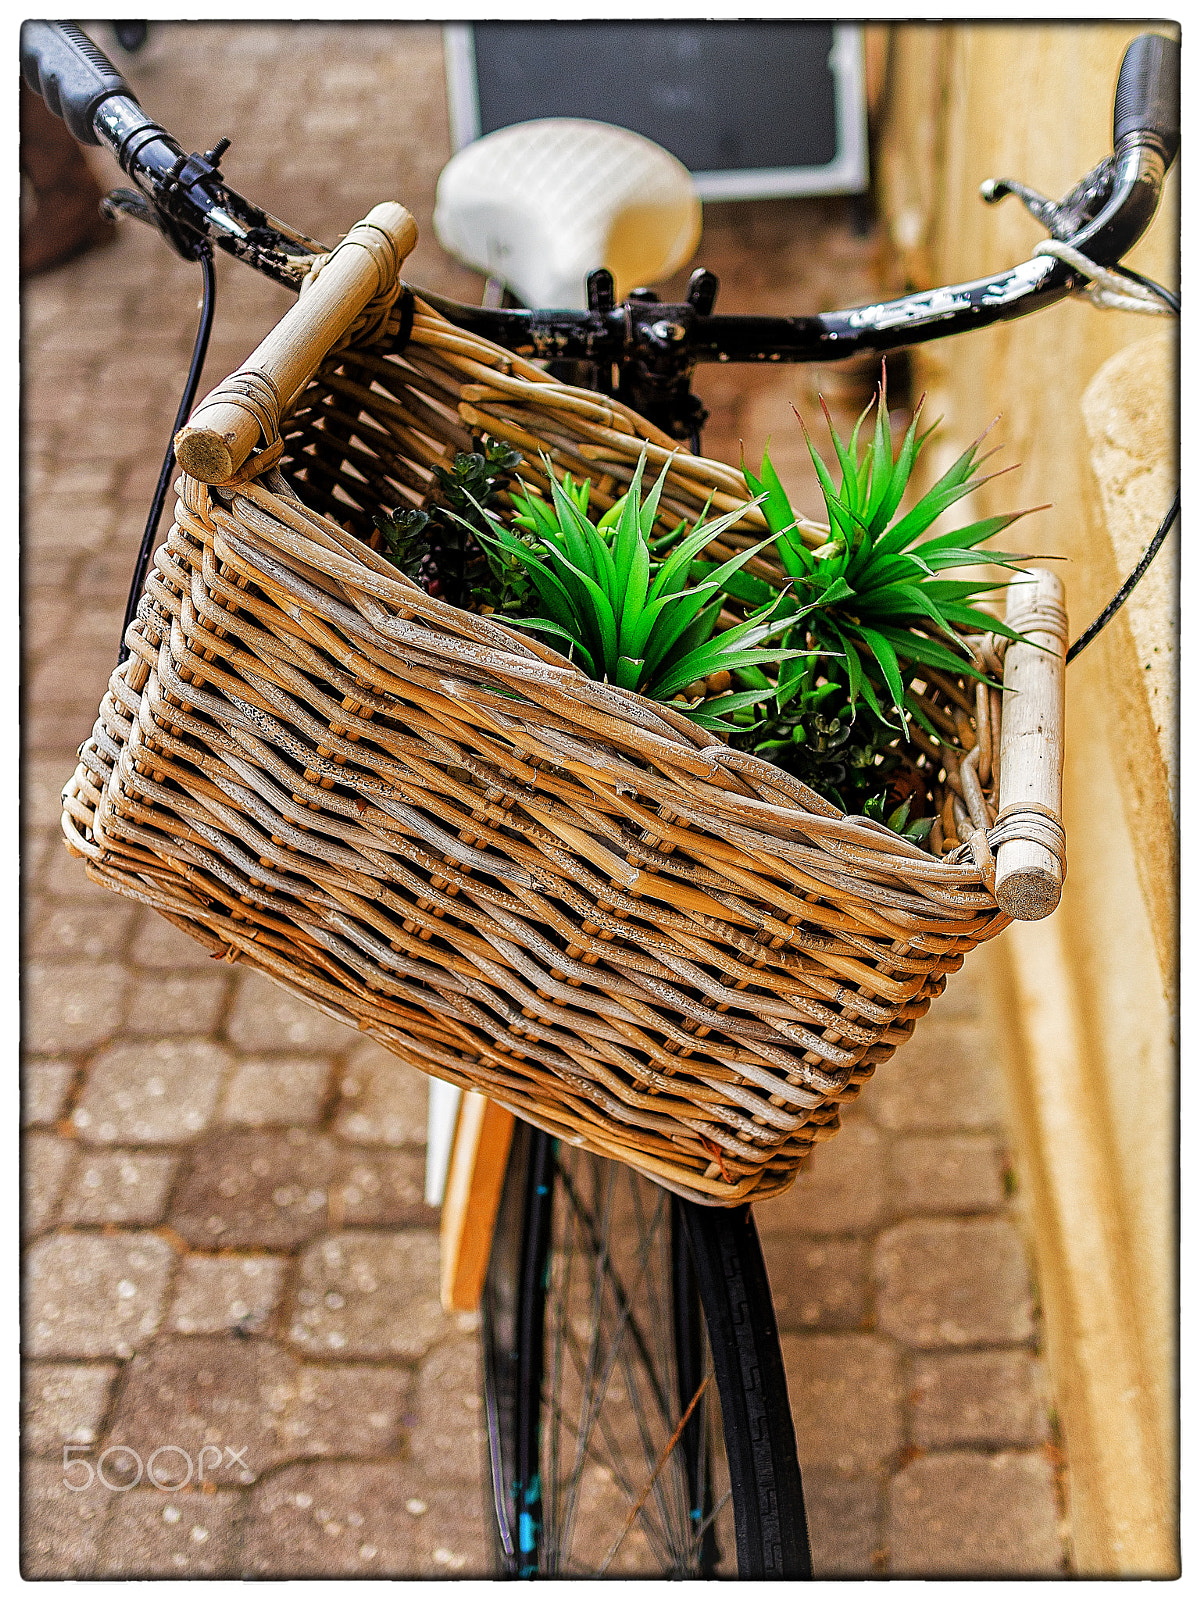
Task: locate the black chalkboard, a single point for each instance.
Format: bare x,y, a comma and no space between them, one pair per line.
749,107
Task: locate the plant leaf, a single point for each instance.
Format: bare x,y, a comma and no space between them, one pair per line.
541,625
882,650
742,586
712,712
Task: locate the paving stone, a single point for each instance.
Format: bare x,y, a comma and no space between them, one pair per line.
276,1190
216,1293
946,1076
277,1090
946,1172
88,932
62,1404
255,1406
152,1533
964,997
41,790
351,1519
977,1397
129,1186
268,1017
841,1189
37,847
104,574
844,1523
88,1295
72,1007
846,1398
60,1527
384,1101
74,507
45,1162
74,677
962,1515
372,1295
47,569
161,1091
178,1003
100,625
64,876
446,1437
817,1284
953,1283
159,943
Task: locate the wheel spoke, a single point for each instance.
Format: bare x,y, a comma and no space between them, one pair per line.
621,1296
645,1362
659,1465
632,1460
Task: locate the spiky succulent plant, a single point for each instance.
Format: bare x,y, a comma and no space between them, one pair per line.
620,603
873,596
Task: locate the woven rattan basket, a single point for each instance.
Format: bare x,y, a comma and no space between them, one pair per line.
442,833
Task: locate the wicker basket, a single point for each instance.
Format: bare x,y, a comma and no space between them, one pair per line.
440,832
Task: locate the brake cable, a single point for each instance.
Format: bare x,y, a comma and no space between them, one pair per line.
1118,288
1127,588
202,251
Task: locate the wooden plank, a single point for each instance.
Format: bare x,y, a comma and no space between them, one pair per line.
477,1164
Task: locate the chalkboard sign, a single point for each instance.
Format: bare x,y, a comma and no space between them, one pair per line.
752,109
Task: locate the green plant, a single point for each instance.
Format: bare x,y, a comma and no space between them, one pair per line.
437,546
873,594
621,602
844,752
406,542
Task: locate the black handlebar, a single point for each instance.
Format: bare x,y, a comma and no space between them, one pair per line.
1146,106
654,346
72,76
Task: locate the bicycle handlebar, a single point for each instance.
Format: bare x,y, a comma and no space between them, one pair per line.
1104,215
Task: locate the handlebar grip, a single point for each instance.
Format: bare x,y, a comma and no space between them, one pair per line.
72,76
1147,98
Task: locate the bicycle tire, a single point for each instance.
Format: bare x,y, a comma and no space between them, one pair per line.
635,1397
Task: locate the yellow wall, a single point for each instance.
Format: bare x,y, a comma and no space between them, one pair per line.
1086,1012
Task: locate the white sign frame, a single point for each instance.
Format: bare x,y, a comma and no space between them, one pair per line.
846,174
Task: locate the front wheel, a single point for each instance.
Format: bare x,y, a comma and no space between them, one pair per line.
637,1412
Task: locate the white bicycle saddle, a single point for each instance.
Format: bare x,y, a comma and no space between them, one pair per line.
541,204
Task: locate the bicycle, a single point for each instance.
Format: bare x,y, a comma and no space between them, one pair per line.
1105,215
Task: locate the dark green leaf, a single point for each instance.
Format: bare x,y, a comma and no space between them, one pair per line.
890,667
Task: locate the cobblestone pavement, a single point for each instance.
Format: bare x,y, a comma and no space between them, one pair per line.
229,1257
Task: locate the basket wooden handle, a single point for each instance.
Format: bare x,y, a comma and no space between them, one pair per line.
226,426
1029,868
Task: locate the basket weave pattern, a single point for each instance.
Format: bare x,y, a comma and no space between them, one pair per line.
438,830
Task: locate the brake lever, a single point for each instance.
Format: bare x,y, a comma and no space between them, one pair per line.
175,200
120,203
1063,218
